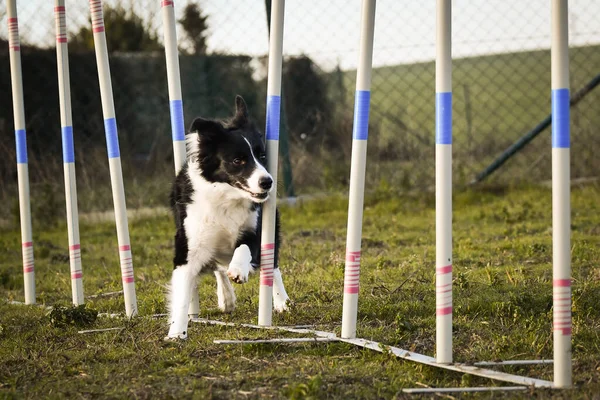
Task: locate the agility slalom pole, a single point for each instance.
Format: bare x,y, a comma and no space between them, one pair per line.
16,76
267,256
114,157
174,82
561,206
443,182
360,135
176,106
66,122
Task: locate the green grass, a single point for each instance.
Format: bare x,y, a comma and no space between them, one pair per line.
502,292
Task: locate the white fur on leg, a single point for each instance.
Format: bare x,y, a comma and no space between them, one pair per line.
239,267
179,300
225,292
280,297
194,307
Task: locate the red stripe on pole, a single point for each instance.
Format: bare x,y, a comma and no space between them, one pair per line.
165,3
562,298
443,270
76,275
266,280
59,8
443,311
27,244
351,289
124,247
75,247
353,256
561,283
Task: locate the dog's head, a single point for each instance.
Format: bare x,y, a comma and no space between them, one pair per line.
231,152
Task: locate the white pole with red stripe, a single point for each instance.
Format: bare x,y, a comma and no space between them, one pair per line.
114,157
16,77
357,170
176,106
561,192
66,122
443,182
267,258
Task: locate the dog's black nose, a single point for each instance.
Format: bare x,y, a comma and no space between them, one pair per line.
265,182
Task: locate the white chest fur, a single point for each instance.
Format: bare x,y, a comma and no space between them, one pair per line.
215,218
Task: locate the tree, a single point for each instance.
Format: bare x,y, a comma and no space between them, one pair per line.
195,26
125,31
310,112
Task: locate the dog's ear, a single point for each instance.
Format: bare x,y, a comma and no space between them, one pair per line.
203,132
241,112
206,127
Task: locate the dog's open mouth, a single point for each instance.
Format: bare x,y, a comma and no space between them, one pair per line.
259,196
256,196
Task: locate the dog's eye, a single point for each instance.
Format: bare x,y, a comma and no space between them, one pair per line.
238,161
263,156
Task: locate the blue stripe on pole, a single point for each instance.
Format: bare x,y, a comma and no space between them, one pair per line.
561,130
273,112
177,127
21,141
67,144
443,118
360,130
112,140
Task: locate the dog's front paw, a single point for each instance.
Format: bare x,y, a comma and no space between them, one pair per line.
175,337
281,303
236,274
239,267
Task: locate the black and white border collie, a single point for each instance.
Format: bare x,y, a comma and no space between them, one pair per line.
216,201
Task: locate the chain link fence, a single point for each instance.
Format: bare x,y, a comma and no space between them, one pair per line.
501,86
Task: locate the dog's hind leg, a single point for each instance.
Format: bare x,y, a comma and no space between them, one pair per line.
194,307
225,292
182,281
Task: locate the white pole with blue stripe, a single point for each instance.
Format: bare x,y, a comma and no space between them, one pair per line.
561,192
66,122
443,182
114,157
176,106
267,258
174,82
16,77
360,135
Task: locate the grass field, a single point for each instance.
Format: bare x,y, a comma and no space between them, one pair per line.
502,291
